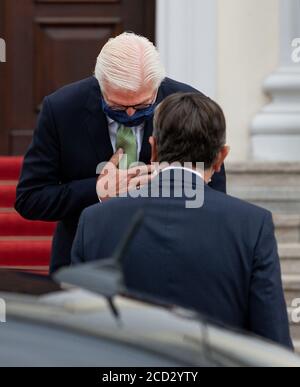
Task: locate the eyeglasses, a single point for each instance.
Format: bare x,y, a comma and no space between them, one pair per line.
135,107
123,108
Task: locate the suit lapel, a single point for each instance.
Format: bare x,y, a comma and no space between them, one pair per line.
145,155
97,125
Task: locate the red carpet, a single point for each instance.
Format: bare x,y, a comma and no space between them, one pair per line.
7,195
24,245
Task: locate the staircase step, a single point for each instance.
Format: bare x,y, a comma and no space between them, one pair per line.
7,195
262,174
24,245
275,186
287,228
297,346
12,224
10,168
282,201
8,182
295,332
25,253
42,270
7,210
294,327
25,238
290,258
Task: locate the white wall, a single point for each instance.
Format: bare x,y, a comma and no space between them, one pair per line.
187,40
226,48
248,51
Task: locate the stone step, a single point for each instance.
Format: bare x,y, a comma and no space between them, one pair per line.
294,326
290,258
287,228
275,186
263,174
297,346
282,204
291,284
295,333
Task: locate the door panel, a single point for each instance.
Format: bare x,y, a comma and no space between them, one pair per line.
51,43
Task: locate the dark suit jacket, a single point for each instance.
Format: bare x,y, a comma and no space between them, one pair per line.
58,178
220,259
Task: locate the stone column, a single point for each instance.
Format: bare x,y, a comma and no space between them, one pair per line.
276,129
187,40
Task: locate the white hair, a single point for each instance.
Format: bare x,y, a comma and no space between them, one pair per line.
128,62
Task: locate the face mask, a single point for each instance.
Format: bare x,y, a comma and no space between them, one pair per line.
123,118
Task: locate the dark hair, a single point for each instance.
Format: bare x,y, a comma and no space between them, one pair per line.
189,127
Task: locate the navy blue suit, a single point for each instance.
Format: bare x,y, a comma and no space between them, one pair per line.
220,259
58,178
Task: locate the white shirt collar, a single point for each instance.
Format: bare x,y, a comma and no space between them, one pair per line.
112,123
109,120
196,172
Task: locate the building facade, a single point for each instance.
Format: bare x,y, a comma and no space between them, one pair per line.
242,53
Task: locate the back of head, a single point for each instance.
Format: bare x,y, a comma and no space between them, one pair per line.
128,62
189,128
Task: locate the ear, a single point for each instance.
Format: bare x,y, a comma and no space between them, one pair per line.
222,155
154,153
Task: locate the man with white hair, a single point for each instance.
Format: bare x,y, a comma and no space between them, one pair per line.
90,122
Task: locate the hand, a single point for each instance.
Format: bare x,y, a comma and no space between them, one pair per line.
113,182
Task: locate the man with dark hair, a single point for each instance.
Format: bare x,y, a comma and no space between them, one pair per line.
219,258
84,124
190,128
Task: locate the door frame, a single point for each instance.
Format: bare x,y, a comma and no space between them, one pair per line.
4,139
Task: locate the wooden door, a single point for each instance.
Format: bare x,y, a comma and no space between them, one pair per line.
51,43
